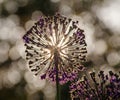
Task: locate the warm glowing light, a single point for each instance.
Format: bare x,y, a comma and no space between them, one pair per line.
55,34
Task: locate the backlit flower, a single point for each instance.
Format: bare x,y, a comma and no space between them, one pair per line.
97,87
55,34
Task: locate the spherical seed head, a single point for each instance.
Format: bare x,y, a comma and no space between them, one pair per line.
99,87
55,34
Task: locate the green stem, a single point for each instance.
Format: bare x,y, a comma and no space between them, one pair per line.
57,78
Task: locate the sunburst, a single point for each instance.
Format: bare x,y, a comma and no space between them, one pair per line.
55,34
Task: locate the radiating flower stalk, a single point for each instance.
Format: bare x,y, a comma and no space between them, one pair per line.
55,49
97,87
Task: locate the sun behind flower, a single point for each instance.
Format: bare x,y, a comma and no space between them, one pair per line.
56,34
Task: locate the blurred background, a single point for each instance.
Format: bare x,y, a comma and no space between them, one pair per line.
100,20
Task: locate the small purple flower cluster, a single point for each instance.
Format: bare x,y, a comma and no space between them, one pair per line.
66,76
96,87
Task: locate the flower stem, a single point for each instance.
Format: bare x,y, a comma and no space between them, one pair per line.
57,78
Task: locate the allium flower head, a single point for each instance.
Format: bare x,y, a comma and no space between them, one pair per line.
55,36
98,87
